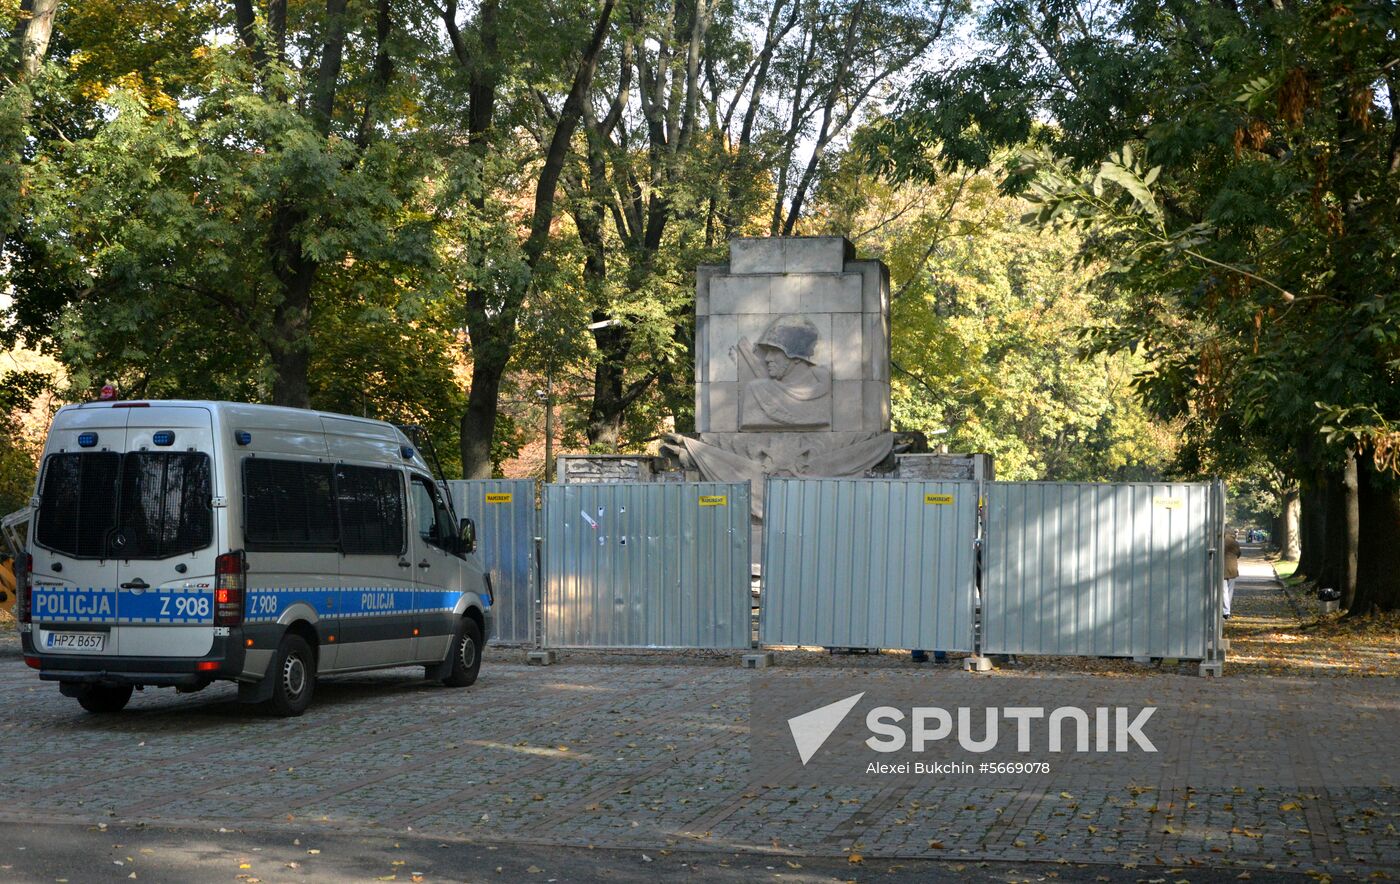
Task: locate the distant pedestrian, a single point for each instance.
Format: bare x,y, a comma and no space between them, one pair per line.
1232,568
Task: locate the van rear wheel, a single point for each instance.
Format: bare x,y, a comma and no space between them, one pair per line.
103,699
466,655
294,677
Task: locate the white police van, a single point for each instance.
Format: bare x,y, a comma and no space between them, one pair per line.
180,543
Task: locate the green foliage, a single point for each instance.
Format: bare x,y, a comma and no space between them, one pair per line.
986,333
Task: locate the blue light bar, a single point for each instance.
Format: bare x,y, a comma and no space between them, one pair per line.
87,440
164,437
406,451
243,437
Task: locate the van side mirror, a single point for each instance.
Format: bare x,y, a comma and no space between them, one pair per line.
468,534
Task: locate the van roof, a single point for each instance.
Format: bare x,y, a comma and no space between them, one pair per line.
244,410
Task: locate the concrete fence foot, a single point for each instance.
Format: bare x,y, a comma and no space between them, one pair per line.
1215,668
542,657
977,663
758,661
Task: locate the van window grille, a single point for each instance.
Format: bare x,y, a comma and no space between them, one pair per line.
371,510
138,505
288,506
78,503
165,506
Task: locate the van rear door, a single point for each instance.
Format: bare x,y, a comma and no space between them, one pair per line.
74,601
165,535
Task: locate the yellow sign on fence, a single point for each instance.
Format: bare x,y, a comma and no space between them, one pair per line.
504,497
938,499
714,500
1171,503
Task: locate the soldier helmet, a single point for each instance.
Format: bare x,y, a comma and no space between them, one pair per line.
796,336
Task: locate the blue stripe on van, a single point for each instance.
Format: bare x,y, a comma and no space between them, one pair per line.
71,604
266,605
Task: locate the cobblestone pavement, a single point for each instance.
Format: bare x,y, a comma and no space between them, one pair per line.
655,757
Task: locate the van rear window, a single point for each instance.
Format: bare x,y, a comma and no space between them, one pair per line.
78,503
138,505
164,506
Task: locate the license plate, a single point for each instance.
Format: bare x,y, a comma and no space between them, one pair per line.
76,642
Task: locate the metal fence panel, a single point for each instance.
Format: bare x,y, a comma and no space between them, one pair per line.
506,521
646,565
869,563
1094,569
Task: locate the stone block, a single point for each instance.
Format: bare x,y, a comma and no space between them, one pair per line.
847,347
875,340
874,284
758,661
756,255
739,294
977,663
847,410
716,362
702,346
785,293
816,254
702,406
703,274
723,411
542,658
830,293
875,401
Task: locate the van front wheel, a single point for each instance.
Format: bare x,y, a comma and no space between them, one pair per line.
104,698
466,655
294,675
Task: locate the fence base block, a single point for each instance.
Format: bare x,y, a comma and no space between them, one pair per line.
758,661
542,658
977,663
1214,668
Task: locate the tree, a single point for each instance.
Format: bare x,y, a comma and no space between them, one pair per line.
1257,244
986,316
495,291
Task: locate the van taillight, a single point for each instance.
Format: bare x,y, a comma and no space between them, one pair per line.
25,584
229,569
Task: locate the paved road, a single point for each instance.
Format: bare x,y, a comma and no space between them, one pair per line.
580,768
76,853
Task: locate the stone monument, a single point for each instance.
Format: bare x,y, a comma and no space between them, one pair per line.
792,374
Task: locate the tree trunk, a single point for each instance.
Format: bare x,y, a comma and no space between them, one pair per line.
1312,527
1338,568
1286,528
609,402
1377,541
33,34
1349,526
478,425
290,347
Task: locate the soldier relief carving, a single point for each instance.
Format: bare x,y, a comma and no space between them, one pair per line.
785,417
785,388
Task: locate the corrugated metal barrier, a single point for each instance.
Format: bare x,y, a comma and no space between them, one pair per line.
869,563
1102,570
505,516
649,565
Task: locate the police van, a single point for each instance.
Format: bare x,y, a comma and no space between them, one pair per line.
175,544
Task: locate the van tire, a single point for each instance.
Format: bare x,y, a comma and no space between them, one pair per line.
104,699
466,655
293,677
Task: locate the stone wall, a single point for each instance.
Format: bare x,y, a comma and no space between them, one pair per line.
944,467
605,468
